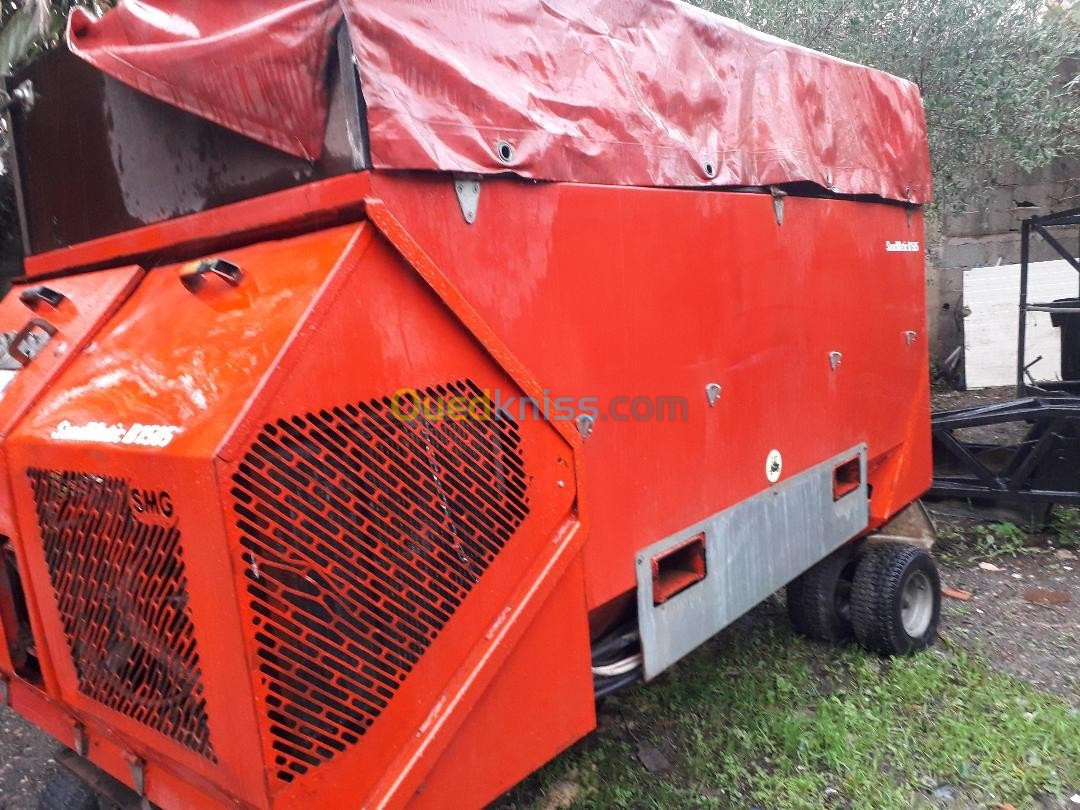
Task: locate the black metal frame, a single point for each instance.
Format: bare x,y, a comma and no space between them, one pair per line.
1043,467
1053,438
1039,225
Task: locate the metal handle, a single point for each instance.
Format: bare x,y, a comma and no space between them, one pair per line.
35,295
192,278
17,354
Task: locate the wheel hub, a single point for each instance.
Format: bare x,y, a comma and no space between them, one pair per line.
917,604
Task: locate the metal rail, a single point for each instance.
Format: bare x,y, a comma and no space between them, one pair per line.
1025,384
1044,466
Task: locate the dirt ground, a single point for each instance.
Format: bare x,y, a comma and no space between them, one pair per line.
947,399
990,434
1037,643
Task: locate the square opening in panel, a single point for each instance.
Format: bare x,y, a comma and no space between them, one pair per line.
677,569
847,477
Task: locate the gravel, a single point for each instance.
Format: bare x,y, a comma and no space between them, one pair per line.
26,761
1039,644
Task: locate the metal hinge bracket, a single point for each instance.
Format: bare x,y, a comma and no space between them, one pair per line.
467,189
778,195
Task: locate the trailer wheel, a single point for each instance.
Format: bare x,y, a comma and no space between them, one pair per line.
66,791
896,599
819,600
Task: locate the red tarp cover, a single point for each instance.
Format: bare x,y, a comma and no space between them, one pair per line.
633,92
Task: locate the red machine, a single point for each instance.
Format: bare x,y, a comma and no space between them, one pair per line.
390,382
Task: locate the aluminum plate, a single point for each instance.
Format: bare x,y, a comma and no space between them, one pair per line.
751,549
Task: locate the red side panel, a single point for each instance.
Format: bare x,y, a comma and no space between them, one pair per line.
633,301
124,555
65,313
388,565
518,722
86,302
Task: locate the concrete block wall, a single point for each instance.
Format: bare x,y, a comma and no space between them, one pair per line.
989,234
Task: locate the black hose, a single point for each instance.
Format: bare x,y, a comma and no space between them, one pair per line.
620,638
608,686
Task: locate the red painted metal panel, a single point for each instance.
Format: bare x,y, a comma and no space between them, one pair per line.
279,386
330,399
171,786
645,92
544,720
84,304
290,564
611,294
122,526
273,216
88,301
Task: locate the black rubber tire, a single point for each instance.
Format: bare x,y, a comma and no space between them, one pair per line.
818,600
877,598
66,791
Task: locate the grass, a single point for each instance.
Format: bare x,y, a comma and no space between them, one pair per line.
1065,525
765,719
998,539
962,540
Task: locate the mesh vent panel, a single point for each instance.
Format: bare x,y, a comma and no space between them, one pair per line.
122,595
363,533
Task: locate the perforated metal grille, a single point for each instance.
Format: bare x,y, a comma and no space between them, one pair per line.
363,533
122,594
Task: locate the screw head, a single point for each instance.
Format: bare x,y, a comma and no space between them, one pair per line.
585,423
